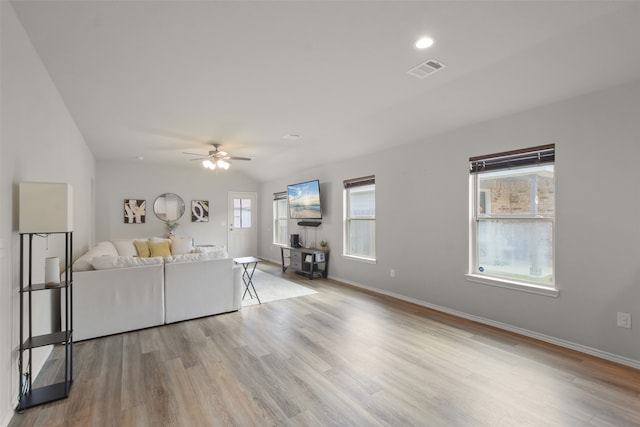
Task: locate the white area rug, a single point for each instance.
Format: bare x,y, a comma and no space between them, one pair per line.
272,288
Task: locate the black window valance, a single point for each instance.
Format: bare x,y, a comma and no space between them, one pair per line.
360,182
511,159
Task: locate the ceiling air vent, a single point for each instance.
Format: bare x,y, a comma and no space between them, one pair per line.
426,68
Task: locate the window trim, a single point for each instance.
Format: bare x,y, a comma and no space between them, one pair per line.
535,156
360,258
282,195
348,185
242,210
513,284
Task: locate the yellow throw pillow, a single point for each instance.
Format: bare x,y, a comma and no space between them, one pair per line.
159,248
142,246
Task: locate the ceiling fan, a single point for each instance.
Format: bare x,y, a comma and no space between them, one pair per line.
216,158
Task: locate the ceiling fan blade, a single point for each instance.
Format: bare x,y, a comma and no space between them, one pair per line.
239,158
195,154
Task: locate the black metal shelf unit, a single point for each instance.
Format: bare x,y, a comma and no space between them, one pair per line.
29,396
310,262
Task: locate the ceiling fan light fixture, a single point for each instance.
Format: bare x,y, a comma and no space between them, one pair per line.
216,159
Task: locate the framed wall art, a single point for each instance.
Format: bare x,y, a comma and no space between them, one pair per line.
135,211
199,211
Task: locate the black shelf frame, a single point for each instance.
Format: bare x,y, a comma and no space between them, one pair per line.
314,267
29,396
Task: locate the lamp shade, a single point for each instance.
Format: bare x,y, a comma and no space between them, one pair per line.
45,207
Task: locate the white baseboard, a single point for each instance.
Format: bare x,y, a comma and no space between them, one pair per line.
279,262
520,331
10,411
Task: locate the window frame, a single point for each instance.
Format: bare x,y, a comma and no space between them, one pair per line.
242,209
348,220
277,199
476,218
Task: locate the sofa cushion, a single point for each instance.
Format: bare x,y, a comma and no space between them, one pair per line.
125,247
142,248
160,249
102,248
181,245
216,251
200,256
107,262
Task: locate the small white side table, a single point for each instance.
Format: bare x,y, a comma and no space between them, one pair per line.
247,275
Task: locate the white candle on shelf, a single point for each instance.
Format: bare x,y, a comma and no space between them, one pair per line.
52,271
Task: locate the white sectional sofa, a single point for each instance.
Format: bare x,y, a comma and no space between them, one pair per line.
201,288
114,291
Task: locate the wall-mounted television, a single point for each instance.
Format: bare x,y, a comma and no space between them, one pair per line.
304,200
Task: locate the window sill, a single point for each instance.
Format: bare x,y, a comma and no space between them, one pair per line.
360,258
512,284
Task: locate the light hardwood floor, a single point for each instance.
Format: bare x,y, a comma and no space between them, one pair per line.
341,357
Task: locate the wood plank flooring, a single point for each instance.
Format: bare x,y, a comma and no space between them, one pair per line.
341,357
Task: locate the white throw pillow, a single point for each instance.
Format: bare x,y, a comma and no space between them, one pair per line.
125,247
102,248
181,245
107,262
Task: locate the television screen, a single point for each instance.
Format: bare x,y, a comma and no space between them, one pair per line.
304,200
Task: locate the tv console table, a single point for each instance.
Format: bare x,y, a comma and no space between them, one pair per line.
310,262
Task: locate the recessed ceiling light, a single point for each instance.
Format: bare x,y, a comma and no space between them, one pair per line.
424,43
292,136
139,158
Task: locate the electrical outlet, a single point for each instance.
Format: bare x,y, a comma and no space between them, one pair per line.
393,272
624,320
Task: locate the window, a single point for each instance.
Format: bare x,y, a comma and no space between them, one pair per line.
513,214
360,218
280,220
242,213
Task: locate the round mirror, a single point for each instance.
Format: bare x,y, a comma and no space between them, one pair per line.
168,207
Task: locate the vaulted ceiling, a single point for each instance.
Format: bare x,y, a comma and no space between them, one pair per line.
156,78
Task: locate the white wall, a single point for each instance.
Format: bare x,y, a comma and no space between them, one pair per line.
39,142
117,181
422,211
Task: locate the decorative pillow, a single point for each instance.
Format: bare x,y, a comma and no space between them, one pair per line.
102,248
160,239
159,248
181,245
125,247
108,262
142,248
83,263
